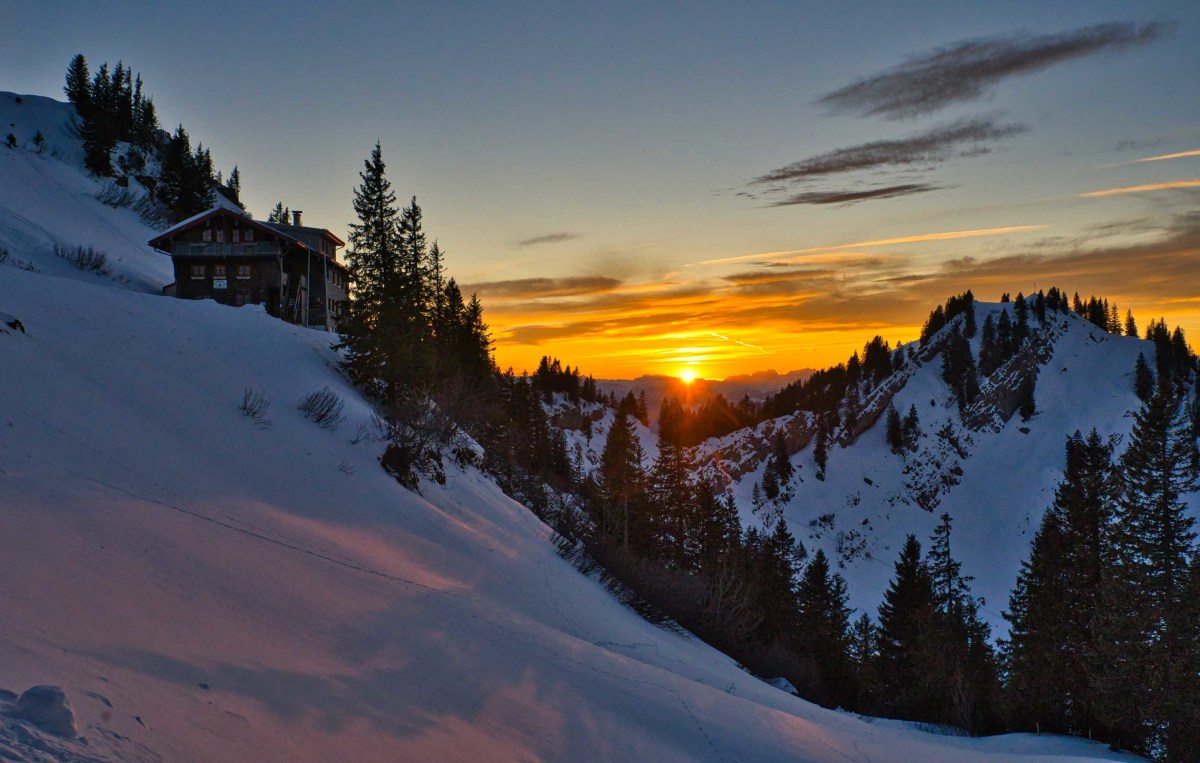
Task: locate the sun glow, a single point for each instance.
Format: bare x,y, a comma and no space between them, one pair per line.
688,375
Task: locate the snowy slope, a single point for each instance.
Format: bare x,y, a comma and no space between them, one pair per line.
269,593
208,588
995,490
48,200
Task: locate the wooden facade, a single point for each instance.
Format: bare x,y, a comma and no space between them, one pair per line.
233,259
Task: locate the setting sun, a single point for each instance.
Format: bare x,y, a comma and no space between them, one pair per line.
688,375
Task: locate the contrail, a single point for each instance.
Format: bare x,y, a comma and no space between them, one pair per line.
738,341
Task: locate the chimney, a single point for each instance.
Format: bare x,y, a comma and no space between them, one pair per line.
296,217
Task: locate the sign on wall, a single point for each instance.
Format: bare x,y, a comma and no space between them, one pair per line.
220,283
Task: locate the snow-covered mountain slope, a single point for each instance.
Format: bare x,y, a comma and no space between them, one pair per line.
236,591
205,586
995,478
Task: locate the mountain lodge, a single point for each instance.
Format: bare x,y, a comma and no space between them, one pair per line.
227,256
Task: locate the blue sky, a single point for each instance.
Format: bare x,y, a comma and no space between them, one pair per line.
585,164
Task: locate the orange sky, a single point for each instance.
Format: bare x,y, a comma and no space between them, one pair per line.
812,307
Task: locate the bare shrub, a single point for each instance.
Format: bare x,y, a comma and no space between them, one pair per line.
115,196
86,259
374,429
418,430
323,408
255,406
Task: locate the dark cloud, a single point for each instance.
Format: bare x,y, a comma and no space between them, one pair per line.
968,137
851,197
550,238
532,288
966,70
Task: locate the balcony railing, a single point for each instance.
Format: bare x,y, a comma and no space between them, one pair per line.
224,249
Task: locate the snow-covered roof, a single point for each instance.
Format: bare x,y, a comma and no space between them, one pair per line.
274,229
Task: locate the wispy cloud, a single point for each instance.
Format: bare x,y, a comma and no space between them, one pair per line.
550,238
967,70
818,309
1164,157
1174,184
852,197
966,137
919,238
532,288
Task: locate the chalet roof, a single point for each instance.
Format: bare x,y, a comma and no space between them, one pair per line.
278,230
290,229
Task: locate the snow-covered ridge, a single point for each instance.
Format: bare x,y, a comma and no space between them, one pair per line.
994,473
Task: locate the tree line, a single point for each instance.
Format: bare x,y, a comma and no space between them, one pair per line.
113,109
1104,631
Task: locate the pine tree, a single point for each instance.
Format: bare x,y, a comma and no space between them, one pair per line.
1005,346
822,634
964,666
1021,330
235,186
958,369
1143,379
895,430
989,353
1025,393
674,527
1037,690
1130,324
370,334
79,86
780,560
863,648
622,483
912,428
907,621
821,447
770,483
781,459
1155,542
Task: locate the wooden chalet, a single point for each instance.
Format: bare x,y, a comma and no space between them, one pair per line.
229,257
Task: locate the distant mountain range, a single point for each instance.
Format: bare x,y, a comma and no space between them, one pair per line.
657,388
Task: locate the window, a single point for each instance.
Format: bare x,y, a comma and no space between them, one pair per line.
248,235
221,236
198,271
219,270
243,271
206,235
235,235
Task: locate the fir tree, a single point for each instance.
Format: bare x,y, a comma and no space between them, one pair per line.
1143,379
863,648
989,353
821,447
621,484
79,86
822,634
1155,542
912,428
674,527
1025,393
964,665
1039,679
374,347
895,430
907,622
1130,324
